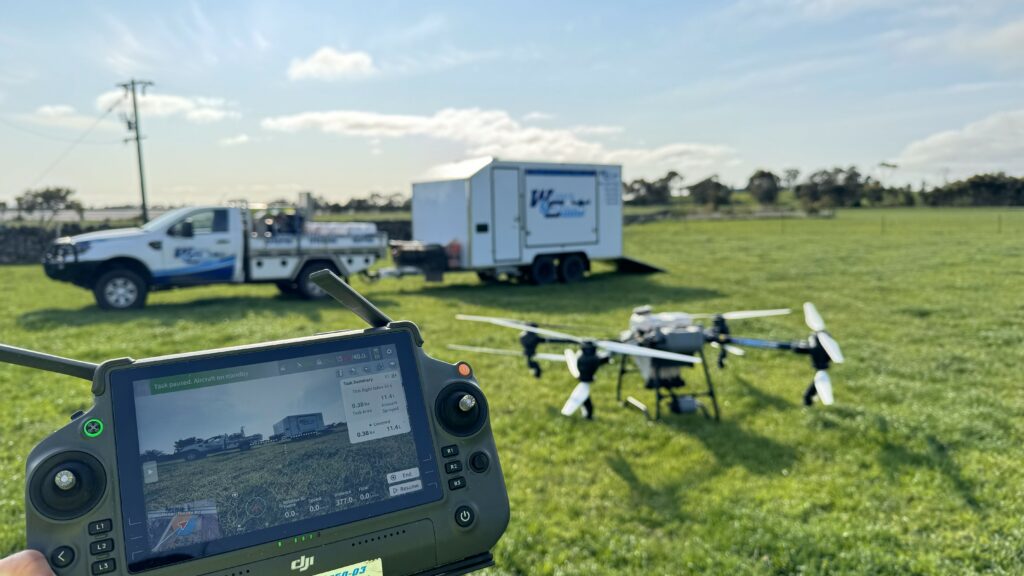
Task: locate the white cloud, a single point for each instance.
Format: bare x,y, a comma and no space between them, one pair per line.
235,140
537,116
1000,46
496,133
330,64
596,130
990,144
197,110
64,116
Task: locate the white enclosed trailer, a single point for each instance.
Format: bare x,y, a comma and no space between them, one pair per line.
541,221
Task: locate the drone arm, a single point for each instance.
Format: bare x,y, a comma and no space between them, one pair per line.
763,344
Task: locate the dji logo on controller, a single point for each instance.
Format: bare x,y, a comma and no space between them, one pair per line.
302,563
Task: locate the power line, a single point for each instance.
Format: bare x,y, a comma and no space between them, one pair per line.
45,136
74,144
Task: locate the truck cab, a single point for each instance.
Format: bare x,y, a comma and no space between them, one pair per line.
211,244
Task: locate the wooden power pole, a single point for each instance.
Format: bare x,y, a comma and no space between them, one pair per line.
131,87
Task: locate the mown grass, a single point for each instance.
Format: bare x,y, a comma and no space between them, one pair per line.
916,469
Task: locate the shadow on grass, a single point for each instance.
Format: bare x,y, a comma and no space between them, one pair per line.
599,292
761,398
202,310
663,503
732,445
896,455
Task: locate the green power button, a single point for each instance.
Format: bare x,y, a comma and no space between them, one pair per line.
92,428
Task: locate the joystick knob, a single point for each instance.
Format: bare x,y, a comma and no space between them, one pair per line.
461,409
65,480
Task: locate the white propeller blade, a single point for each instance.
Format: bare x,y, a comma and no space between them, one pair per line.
633,350
814,320
520,326
730,349
831,346
579,395
823,386
500,352
571,359
744,314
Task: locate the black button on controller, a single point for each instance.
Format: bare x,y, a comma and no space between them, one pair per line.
479,462
457,483
103,566
453,467
100,527
449,451
62,557
101,546
464,516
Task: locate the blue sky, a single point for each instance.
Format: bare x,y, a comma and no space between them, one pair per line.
259,100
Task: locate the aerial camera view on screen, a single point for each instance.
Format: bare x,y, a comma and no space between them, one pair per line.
227,452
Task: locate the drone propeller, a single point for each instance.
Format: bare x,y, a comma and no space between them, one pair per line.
823,386
816,323
572,361
577,399
735,350
745,314
501,352
609,345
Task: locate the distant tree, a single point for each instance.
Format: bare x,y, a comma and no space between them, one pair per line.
789,177
153,454
764,187
996,189
3,210
46,201
180,445
655,192
79,209
711,192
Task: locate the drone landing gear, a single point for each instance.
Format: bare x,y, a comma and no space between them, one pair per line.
809,394
663,390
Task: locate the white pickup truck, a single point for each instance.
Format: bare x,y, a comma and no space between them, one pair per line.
212,244
220,443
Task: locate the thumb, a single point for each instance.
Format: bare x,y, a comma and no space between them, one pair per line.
25,563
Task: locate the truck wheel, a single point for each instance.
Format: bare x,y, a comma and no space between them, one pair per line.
191,456
571,268
120,289
288,288
306,288
543,271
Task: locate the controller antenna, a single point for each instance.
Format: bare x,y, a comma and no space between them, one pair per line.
349,298
48,362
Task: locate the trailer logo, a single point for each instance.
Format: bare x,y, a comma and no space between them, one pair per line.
553,205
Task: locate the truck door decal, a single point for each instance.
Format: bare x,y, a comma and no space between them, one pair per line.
202,267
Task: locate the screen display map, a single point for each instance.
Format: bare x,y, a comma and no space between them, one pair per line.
262,448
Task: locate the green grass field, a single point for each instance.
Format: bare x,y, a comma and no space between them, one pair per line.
917,468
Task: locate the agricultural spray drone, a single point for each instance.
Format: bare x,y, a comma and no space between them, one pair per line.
661,345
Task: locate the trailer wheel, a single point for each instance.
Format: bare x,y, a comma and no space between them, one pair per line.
306,288
120,289
571,268
543,271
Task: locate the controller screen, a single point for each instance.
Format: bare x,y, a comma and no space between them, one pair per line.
274,450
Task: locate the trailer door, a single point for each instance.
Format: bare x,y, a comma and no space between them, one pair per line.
505,207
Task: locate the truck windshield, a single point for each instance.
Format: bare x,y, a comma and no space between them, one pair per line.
164,219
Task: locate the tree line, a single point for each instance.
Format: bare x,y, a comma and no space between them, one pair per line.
825,189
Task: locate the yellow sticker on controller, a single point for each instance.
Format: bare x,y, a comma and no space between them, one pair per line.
366,568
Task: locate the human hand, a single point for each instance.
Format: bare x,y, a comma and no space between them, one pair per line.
25,563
